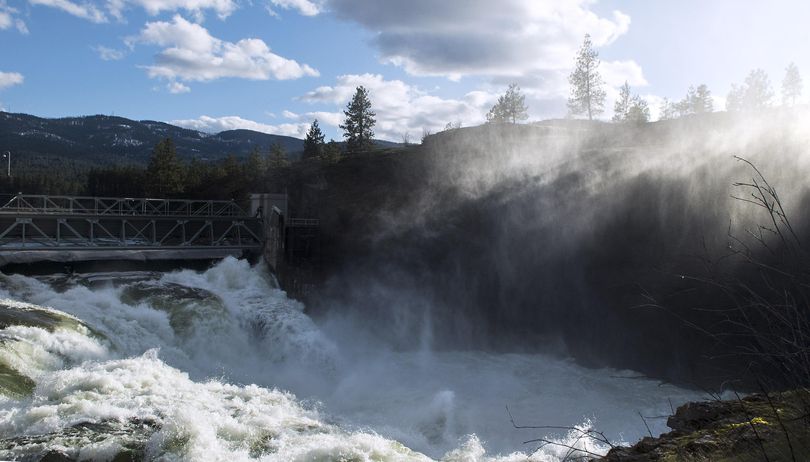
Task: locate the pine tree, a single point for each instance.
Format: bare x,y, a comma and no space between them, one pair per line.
754,94
313,143
758,91
331,152
278,157
734,99
668,110
194,174
630,108
165,173
701,100
359,122
622,105
639,111
791,85
587,94
254,167
510,107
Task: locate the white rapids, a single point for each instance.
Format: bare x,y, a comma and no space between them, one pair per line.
220,365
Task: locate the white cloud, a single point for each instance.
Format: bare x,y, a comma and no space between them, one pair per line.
455,38
100,11
223,8
8,18
325,117
615,73
401,108
108,54
529,42
21,27
218,124
304,7
193,54
177,88
9,79
85,10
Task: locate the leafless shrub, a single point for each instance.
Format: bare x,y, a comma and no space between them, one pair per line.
574,452
425,134
771,309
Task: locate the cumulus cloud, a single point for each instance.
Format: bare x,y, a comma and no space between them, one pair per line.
191,53
401,108
223,8
529,42
177,88
85,10
9,79
615,73
101,10
218,124
108,54
304,7
455,38
9,19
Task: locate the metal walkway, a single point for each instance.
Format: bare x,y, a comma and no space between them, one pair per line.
69,228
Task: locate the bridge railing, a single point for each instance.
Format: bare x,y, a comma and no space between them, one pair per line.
120,206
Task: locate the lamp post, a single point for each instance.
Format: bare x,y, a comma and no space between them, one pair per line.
7,155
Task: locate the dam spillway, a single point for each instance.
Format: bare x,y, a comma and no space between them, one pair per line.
37,228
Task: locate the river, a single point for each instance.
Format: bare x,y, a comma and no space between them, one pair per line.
221,365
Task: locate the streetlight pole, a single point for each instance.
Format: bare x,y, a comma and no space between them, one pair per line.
8,156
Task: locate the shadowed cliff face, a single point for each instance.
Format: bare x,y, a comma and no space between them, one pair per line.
566,236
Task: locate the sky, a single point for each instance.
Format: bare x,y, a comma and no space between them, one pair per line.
275,65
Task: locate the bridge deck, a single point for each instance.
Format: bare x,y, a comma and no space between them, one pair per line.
63,228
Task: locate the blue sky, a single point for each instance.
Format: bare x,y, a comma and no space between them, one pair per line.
274,65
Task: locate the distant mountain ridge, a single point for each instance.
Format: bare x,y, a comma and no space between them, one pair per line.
104,140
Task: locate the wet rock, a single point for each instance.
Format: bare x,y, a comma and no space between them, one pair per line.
56,456
130,435
25,314
184,305
755,428
14,384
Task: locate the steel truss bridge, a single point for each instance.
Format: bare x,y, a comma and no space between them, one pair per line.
70,228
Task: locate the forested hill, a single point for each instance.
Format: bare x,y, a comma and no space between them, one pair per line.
99,140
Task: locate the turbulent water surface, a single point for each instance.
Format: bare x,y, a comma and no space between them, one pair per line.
221,365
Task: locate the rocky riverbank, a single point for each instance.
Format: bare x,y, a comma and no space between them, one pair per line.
773,427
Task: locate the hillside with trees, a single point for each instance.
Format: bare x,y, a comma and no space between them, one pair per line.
108,140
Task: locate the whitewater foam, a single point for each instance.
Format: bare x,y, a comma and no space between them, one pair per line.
135,382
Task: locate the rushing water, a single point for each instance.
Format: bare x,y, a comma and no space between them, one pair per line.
220,365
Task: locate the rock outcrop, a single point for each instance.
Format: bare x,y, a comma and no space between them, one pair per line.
773,427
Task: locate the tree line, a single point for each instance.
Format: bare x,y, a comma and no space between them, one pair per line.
166,175
587,95
357,126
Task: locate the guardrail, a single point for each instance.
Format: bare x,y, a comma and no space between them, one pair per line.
120,206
